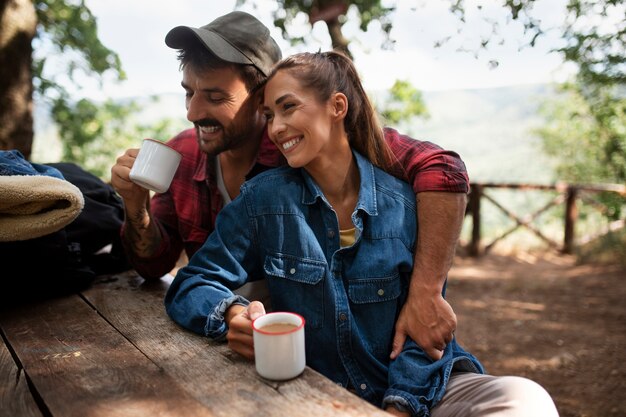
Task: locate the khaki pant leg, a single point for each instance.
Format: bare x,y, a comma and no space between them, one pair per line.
476,395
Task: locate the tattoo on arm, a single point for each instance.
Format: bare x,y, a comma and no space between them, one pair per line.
142,235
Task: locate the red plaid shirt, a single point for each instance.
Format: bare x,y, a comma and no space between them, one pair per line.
186,212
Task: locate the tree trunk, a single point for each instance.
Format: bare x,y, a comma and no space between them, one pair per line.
18,24
336,35
329,11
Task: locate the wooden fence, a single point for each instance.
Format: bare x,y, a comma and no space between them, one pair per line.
568,194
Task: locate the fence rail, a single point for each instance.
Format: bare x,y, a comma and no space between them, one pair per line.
568,194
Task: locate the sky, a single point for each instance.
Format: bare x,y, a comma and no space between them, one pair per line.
136,30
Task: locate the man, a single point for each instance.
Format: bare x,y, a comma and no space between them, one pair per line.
229,144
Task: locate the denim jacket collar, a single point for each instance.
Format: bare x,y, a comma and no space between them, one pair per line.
367,191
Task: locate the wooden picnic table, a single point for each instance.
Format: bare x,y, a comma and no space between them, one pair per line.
111,350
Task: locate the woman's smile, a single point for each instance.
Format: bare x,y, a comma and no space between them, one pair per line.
291,143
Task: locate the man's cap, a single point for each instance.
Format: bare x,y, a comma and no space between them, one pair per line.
236,37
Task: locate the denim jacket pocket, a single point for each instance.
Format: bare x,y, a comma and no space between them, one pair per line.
374,290
297,284
377,302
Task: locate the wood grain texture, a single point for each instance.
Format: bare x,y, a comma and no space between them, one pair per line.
15,397
81,366
222,380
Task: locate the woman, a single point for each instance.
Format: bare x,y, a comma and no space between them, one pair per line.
334,236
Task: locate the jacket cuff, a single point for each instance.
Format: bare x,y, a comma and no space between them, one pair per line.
216,327
404,402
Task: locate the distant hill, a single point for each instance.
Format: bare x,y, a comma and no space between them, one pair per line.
490,128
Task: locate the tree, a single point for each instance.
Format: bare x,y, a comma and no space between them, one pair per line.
586,128
592,40
586,134
333,14
65,29
403,103
17,28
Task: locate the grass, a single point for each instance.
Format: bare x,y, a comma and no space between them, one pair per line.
607,249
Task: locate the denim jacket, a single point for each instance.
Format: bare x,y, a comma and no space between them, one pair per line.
282,228
13,163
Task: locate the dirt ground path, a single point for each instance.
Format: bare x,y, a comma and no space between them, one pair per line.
546,318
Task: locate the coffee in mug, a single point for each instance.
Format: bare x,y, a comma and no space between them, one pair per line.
279,328
279,352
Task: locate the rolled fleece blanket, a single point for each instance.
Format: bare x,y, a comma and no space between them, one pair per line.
32,206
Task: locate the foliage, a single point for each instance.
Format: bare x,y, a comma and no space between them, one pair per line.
586,134
404,103
91,133
591,40
333,13
593,33
69,29
596,43
608,249
71,26
96,133
585,129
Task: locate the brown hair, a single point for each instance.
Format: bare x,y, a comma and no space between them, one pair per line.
328,72
199,57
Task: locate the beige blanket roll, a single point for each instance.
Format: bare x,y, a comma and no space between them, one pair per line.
32,206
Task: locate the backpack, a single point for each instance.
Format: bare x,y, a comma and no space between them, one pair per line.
69,259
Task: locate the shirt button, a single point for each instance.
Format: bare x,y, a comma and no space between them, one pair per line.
363,386
381,292
331,233
343,317
292,271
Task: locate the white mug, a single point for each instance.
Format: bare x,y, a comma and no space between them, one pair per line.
279,352
155,166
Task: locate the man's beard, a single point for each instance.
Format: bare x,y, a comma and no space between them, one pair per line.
238,133
233,137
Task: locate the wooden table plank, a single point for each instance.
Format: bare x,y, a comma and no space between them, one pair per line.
222,380
78,362
15,397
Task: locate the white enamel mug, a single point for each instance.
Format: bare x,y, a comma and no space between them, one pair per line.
155,166
279,352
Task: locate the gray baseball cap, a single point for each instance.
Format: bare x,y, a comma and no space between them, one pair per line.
236,37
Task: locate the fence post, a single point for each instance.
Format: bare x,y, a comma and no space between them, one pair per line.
571,213
474,207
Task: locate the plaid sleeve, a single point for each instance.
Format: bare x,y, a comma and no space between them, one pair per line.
155,266
165,216
426,166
